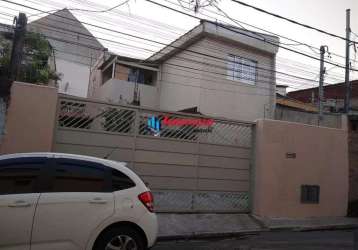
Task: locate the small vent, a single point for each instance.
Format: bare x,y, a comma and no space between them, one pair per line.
310,194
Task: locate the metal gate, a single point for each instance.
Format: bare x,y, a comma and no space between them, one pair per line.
192,163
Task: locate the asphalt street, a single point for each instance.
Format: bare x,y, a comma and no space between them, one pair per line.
313,240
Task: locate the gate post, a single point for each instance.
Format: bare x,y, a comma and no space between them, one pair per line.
252,168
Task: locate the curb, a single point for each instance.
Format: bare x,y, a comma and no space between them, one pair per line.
243,234
196,236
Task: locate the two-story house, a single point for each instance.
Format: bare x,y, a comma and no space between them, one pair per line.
213,69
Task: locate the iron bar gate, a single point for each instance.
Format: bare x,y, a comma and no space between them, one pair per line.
192,163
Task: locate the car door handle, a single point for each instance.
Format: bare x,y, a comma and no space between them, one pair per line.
98,201
20,203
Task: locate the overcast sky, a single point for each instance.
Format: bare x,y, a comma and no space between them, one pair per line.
328,15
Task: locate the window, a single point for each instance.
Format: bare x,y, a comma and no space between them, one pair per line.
20,176
310,194
141,76
72,175
241,69
120,181
106,74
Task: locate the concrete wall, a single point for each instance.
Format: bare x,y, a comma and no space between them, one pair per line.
212,92
321,159
353,159
119,91
30,119
329,120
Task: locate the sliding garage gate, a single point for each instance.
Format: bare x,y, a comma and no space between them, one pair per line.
191,163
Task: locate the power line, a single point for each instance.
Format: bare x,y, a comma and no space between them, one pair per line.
218,24
238,32
141,48
297,43
90,37
238,22
309,46
200,70
86,10
205,55
202,54
291,20
138,19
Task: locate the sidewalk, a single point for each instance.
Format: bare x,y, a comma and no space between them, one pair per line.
324,223
179,226
185,226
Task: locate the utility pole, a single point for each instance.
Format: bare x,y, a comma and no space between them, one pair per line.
17,46
321,79
347,101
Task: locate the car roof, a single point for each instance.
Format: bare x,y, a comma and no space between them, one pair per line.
121,166
110,163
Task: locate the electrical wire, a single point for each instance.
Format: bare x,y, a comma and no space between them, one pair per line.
296,42
140,48
291,20
201,54
238,32
86,10
162,43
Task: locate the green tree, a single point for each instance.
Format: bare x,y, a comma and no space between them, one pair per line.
35,68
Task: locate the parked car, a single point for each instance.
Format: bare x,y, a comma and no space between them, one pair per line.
72,202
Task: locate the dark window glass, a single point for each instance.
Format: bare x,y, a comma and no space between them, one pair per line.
78,176
20,176
120,181
310,194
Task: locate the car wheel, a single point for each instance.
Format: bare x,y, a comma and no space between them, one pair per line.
120,238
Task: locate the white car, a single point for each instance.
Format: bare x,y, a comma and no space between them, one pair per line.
51,201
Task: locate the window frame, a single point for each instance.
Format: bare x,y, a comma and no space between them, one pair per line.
108,185
83,163
39,185
111,180
231,69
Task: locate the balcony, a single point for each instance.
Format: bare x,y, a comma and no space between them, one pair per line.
119,81
120,91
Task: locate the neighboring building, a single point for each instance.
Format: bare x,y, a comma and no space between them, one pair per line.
292,110
76,49
334,95
213,69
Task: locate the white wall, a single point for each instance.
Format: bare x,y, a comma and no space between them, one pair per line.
212,93
76,75
179,87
